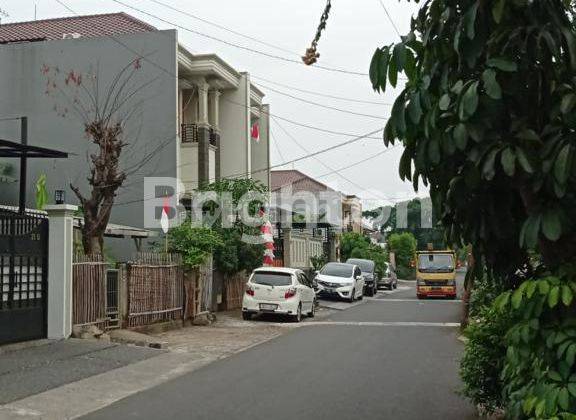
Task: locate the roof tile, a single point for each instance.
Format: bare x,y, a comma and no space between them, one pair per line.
89,26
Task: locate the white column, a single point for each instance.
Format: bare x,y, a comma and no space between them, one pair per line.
60,245
215,108
203,88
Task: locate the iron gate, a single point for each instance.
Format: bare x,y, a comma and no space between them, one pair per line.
23,276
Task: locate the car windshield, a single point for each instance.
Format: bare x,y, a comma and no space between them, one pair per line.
337,270
366,266
435,263
272,279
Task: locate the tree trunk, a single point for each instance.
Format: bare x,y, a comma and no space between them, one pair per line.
468,286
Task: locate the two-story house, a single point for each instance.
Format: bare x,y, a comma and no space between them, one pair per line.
190,116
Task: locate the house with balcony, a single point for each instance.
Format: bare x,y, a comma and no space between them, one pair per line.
190,116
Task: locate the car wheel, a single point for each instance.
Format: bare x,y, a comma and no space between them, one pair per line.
246,316
312,313
298,316
374,290
396,285
351,298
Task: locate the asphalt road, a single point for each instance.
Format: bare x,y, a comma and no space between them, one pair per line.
358,364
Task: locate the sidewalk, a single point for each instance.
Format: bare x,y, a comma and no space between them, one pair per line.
68,379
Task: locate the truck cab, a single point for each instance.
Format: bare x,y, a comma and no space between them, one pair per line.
436,274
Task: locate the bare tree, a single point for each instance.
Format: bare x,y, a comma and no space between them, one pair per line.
104,117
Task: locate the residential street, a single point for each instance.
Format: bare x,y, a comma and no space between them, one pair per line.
374,360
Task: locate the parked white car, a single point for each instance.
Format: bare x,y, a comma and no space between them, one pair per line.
279,290
340,280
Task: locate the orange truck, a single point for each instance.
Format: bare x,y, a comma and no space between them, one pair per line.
436,274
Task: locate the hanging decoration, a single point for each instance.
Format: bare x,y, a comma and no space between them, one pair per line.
266,230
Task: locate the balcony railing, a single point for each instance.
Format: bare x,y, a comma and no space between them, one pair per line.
212,137
189,133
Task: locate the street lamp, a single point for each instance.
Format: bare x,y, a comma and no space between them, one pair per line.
59,196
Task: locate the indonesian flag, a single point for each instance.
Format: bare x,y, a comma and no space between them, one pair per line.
266,231
255,132
164,219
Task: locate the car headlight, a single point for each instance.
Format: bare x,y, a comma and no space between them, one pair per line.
420,282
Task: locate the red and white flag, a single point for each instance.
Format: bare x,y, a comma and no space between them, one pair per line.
164,219
255,132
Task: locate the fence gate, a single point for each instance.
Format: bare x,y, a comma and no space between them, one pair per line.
23,276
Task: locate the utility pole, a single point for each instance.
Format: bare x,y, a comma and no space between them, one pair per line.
23,164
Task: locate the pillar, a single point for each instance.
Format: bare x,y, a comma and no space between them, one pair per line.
287,242
214,99
60,245
203,133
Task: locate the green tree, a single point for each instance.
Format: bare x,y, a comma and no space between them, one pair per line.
487,121
351,241
413,223
403,245
236,254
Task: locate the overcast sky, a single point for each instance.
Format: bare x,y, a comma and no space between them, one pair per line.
355,29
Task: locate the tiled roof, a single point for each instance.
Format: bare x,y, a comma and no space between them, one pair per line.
298,180
89,26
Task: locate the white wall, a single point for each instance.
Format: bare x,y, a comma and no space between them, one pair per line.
151,131
235,129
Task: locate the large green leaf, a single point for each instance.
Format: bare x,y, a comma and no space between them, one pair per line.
552,225
393,73
489,167
398,116
469,102
399,56
444,102
460,136
470,20
383,67
553,296
562,165
502,64
508,160
374,72
567,103
405,167
491,84
414,108
498,10
524,161
530,231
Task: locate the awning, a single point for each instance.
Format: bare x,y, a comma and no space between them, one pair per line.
10,149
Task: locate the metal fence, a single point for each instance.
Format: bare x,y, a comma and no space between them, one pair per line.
89,291
155,289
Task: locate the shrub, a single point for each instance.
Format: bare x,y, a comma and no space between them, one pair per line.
483,360
195,244
404,247
405,273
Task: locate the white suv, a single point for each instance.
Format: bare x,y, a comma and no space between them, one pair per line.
280,291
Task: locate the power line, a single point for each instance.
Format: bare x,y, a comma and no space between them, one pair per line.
224,28
231,44
390,18
355,139
298,159
288,120
277,146
311,92
333,171
345,111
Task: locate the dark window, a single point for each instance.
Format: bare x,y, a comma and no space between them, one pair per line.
337,270
367,266
272,279
435,263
